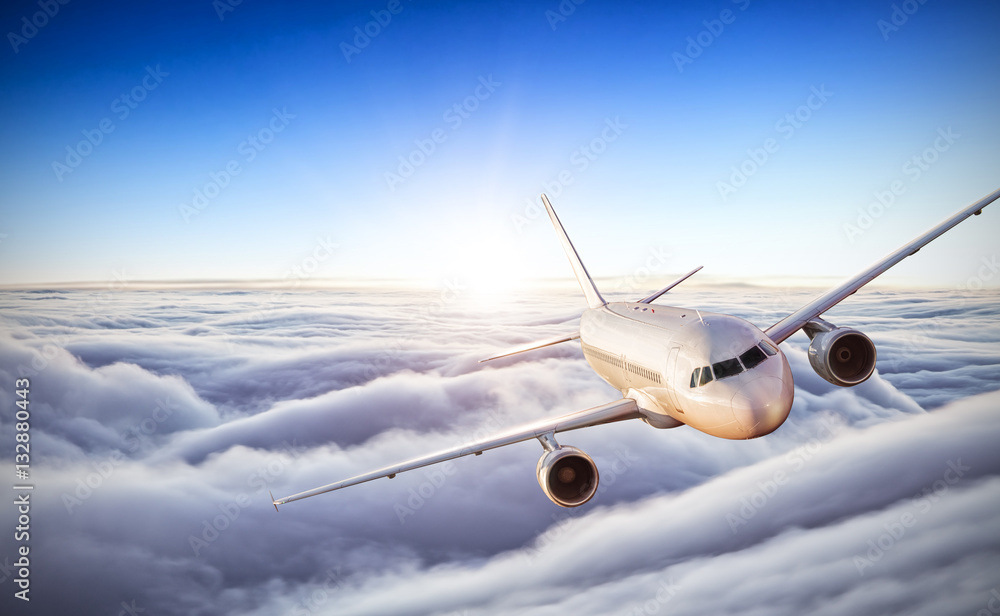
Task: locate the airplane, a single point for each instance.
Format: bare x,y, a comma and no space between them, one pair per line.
674,367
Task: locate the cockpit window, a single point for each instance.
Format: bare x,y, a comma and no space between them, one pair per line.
752,357
726,368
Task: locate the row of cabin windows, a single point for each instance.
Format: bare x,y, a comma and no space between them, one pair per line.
605,357
633,368
643,372
731,367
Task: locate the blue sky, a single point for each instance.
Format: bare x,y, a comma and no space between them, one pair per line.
643,141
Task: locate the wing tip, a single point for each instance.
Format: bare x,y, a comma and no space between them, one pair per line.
273,502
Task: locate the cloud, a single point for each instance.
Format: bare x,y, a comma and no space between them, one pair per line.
922,491
160,424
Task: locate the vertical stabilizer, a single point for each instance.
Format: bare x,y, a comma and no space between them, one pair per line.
586,283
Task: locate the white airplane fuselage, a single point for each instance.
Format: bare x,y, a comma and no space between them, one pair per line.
650,354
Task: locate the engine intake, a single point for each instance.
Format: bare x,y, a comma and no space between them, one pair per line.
841,355
567,476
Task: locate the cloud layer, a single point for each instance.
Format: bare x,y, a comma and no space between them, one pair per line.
161,418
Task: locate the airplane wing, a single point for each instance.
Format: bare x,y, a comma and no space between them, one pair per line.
531,346
618,410
795,321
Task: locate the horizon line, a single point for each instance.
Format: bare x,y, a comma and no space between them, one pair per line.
315,284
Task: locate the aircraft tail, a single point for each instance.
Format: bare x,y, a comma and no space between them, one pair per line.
594,298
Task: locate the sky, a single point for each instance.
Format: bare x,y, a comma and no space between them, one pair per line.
161,418
409,141
247,246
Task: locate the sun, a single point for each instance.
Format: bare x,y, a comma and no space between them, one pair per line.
491,277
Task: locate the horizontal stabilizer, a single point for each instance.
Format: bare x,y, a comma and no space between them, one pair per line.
531,346
651,298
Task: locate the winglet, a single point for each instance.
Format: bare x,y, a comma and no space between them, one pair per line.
586,282
273,502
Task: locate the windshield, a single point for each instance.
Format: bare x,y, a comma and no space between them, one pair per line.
751,358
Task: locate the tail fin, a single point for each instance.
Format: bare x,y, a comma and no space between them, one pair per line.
586,283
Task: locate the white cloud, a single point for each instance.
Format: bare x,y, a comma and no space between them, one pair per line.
325,385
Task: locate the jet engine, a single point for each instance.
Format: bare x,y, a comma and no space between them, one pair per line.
841,355
567,476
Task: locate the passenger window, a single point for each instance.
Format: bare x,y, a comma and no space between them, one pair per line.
767,348
694,377
727,367
752,357
706,375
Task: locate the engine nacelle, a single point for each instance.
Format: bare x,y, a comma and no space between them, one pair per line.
841,355
567,476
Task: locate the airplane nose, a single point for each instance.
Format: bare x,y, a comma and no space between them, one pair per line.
760,407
